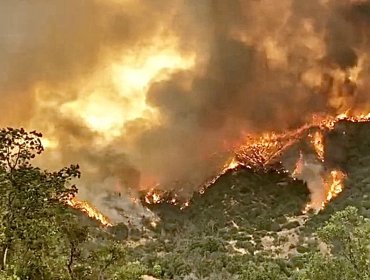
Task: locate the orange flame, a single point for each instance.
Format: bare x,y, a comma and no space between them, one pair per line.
259,151
153,197
334,184
317,140
299,165
232,164
157,196
89,210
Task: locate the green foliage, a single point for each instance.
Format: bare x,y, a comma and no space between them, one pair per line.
31,211
263,271
157,270
42,238
319,267
347,236
4,275
130,271
104,260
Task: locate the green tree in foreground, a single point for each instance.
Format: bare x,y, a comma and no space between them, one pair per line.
347,236
40,237
31,208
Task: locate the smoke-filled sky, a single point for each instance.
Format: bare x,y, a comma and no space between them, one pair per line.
158,92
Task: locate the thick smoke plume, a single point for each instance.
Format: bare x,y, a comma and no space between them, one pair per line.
143,93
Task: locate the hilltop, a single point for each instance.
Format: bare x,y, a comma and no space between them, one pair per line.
249,214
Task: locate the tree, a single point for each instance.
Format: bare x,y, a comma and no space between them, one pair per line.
106,258
347,236
32,209
264,271
75,236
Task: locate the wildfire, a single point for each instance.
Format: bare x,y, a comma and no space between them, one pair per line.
334,184
317,140
232,164
333,180
299,165
357,118
152,197
156,196
261,151
89,210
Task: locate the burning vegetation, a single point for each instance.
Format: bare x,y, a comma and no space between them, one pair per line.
89,210
265,153
216,137
176,99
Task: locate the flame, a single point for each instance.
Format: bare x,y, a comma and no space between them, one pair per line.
333,181
232,164
156,196
317,140
334,184
153,197
299,165
259,151
89,210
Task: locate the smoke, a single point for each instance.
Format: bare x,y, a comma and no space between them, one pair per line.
311,171
145,93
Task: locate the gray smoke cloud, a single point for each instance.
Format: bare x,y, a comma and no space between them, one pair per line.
258,66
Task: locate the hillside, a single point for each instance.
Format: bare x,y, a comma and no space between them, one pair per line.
246,215
249,224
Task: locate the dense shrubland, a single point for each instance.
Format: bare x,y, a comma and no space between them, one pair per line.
228,233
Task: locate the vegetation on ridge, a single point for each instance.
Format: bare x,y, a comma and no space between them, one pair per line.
247,226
